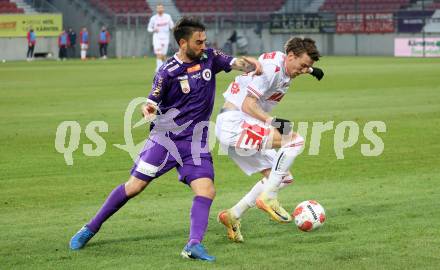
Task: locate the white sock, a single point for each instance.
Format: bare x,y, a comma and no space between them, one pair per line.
283,161
248,201
83,54
159,63
286,181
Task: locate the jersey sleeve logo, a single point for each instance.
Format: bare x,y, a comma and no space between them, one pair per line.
219,53
158,86
235,88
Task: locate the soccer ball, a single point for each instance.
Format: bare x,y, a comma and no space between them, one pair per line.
309,215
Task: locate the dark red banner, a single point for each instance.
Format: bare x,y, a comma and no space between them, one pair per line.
364,23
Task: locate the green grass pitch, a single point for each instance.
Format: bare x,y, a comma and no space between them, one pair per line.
382,212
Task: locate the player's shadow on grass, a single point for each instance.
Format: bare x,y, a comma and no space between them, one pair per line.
99,242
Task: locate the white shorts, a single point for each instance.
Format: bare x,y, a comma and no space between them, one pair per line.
160,45
84,46
245,139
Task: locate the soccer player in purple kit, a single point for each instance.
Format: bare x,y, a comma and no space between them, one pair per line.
182,94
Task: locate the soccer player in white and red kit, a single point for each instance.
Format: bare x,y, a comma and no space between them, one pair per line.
84,42
251,134
160,25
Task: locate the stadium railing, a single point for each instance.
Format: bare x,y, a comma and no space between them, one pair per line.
42,6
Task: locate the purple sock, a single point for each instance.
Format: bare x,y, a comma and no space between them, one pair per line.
199,219
114,202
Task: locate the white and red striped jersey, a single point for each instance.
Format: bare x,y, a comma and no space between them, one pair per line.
269,88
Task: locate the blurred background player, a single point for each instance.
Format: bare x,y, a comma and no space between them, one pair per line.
186,83
245,126
84,42
63,43
31,40
104,40
160,25
72,46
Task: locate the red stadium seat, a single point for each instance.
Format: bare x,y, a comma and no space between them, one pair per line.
229,6
9,7
435,5
122,6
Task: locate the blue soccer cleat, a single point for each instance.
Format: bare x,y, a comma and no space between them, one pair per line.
80,239
196,252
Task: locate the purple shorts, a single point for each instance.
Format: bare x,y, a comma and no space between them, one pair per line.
155,160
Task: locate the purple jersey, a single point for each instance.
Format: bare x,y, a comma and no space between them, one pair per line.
189,88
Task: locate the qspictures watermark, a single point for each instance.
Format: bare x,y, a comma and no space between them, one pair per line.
346,135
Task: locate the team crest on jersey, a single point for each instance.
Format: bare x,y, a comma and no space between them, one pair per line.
184,84
206,74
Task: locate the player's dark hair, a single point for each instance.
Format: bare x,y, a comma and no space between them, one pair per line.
185,27
302,45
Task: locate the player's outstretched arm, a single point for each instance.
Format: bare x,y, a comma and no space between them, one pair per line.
247,64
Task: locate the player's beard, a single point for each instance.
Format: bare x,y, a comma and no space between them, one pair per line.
193,55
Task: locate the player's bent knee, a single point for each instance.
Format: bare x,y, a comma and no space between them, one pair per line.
203,187
208,192
134,186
